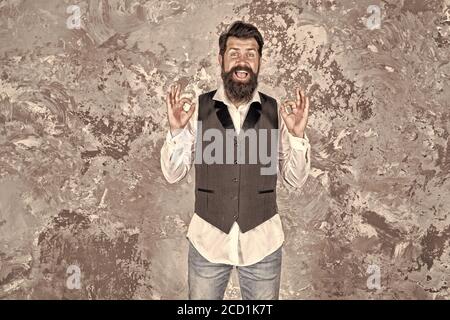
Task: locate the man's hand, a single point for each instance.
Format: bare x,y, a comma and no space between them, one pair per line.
179,111
297,118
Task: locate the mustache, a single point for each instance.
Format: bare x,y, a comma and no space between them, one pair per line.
245,68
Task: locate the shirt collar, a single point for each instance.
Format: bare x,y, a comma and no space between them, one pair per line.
221,96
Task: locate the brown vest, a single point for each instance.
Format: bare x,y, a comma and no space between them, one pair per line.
231,191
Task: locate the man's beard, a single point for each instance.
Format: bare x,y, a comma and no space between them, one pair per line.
239,91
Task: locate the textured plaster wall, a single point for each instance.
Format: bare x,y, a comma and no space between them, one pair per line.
82,121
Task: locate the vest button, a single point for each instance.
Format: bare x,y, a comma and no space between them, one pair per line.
235,161
235,179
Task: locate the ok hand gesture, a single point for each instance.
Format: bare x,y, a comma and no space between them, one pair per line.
297,119
179,111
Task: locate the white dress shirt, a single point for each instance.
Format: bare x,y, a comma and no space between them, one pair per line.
235,248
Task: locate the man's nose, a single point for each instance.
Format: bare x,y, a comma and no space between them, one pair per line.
242,64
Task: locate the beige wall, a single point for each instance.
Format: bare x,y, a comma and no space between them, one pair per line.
82,121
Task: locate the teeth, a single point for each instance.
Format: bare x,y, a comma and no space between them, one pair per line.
241,74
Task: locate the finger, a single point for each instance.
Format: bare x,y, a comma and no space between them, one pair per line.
306,112
174,94
299,99
299,112
283,111
178,90
191,110
182,101
303,98
168,102
287,108
302,115
172,100
292,105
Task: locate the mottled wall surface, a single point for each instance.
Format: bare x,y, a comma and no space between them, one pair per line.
83,118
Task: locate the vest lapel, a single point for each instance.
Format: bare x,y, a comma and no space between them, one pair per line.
253,114
223,115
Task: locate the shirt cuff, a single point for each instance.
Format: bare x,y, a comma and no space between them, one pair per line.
176,137
298,143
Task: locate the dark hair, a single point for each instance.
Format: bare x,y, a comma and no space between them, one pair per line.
240,29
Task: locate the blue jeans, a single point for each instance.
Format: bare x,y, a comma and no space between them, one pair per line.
208,281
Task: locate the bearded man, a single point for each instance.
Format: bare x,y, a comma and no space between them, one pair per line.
236,221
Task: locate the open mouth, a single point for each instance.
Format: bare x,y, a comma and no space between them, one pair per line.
241,75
